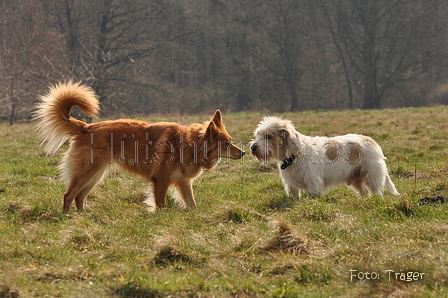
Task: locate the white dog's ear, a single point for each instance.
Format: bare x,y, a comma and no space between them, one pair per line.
291,143
284,135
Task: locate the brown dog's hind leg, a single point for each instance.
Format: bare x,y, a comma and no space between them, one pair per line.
73,190
79,199
80,185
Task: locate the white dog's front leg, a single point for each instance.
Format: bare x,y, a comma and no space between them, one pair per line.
291,183
293,192
315,186
292,189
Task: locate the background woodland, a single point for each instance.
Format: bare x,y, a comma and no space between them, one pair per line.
185,56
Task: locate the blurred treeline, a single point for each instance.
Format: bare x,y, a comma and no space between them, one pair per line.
193,56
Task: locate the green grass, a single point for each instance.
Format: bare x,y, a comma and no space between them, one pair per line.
246,238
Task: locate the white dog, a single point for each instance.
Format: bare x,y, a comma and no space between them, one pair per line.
316,164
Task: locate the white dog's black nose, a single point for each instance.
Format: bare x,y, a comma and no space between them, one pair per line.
253,148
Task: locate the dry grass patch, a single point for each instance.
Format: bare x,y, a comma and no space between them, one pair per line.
287,240
29,213
392,290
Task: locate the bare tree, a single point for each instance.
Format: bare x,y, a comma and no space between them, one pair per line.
382,41
25,48
106,34
276,48
277,41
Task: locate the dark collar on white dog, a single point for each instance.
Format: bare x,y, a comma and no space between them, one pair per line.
287,162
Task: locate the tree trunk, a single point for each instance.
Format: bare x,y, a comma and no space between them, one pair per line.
294,95
371,97
11,117
341,55
13,101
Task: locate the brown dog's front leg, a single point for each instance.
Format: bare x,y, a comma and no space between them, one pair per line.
186,192
160,190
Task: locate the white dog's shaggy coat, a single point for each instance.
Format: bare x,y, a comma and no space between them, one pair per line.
317,164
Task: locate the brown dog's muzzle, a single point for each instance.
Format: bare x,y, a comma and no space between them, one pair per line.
235,152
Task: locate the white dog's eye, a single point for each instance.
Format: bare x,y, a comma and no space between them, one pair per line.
268,136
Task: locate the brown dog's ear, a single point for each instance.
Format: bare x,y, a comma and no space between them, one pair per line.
212,130
217,118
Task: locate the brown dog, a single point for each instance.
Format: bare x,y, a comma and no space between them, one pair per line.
163,154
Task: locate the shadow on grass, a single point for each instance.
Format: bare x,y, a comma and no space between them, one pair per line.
401,210
133,290
281,203
136,198
169,255
34,213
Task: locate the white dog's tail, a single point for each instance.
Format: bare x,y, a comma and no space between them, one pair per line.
390,186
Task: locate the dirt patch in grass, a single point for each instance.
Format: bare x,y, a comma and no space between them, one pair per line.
436,199
6,292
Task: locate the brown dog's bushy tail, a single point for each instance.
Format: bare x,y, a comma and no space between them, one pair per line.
55,125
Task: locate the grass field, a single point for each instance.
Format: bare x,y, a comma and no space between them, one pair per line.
246,238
